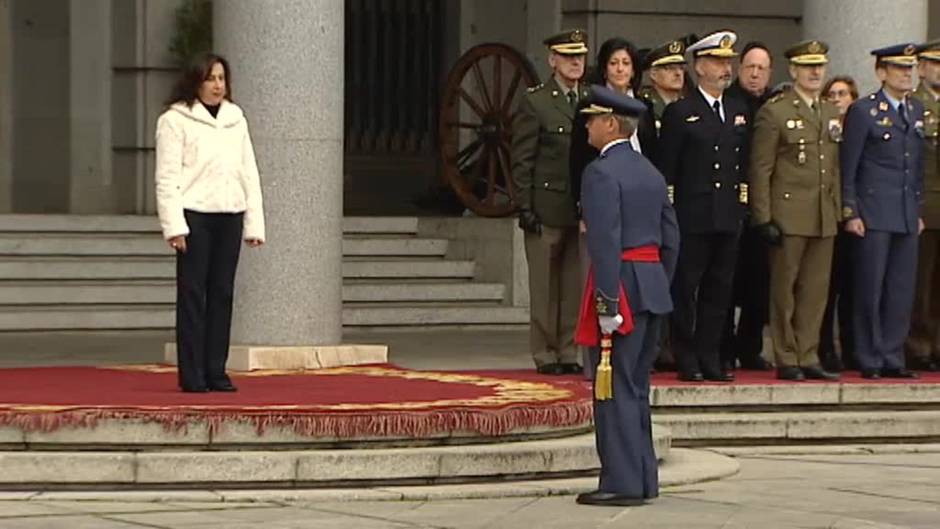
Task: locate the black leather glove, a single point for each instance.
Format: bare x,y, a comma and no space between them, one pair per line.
530,222
770,232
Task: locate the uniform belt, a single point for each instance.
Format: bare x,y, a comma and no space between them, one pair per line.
588,331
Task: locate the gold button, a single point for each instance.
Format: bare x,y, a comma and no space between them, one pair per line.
822,156
717,185
546,185
561,129
786,195
823,171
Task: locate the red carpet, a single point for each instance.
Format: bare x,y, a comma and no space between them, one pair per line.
343,403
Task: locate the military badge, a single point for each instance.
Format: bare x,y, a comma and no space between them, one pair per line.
835,130
885,122
791,124
883,106
919,124
801,158
675,47
847,213
740,120
692,119
742,193
799,124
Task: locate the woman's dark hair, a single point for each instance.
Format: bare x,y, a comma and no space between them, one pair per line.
849,82
608,48
186,89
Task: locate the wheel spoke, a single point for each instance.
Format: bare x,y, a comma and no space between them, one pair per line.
497,81
481,85
503,155
491,174
467,152
469,101
464,125
513,86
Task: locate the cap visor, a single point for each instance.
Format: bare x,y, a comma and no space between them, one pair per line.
669,59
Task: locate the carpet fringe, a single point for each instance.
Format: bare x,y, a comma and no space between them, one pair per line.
412,425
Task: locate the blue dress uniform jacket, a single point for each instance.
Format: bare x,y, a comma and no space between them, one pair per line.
882,164
705,160
620,186
882,177
626,206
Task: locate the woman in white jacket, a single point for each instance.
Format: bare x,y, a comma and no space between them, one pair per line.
208,200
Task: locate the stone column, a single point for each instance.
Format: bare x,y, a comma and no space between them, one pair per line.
90,79
287,75
855,27
6,108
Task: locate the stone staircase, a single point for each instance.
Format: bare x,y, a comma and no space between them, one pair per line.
61,272
799,414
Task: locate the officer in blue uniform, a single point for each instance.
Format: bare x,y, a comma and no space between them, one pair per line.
633,242
882,179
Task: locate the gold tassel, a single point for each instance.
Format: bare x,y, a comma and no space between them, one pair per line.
603,379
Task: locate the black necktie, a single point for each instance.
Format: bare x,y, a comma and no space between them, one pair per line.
902,111
717,106
572,98
815,108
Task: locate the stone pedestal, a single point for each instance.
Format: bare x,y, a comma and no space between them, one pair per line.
252,358
855,27
287,75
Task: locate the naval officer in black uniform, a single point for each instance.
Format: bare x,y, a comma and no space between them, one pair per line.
882,194
702,153
633,242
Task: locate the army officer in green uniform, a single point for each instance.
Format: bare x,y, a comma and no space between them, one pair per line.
795,202
547,211
923,346
666,65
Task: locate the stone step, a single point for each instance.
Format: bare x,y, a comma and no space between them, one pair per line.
430,315
801,427
158,292
149,224
144,245
324,467
86,317
423,292
164,267
395,247
680,467
139,316
843,395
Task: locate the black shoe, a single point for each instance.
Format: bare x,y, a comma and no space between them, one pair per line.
831,363
898,373
200,389
572,369
722,376
691,377
790,373
870,374
550,369
817,373
226,387
608,498
756,364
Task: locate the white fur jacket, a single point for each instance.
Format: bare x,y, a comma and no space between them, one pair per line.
206,164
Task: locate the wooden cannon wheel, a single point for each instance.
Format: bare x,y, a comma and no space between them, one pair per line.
480,98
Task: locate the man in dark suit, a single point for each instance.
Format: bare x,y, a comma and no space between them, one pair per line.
633,241
882,182
703,146
744,341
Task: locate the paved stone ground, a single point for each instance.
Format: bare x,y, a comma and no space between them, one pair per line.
782,492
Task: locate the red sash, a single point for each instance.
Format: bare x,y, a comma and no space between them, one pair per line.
588,332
